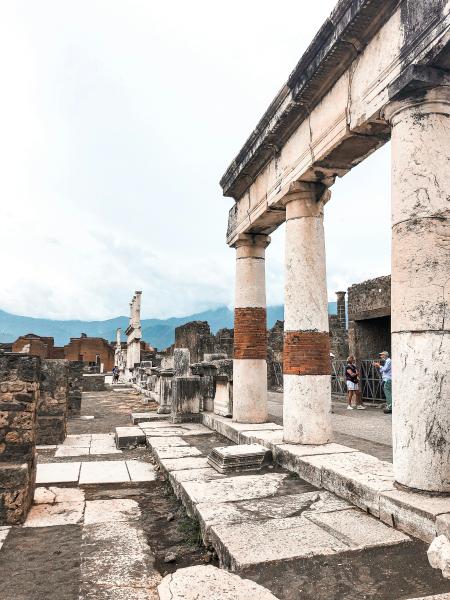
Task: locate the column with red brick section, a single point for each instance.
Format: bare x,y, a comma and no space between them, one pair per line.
306,357
250,331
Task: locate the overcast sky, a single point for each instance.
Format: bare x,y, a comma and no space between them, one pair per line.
117,120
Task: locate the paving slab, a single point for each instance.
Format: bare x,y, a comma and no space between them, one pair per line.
62,472
145,417
355,476
129,437
195,429
232,430
3,535
141,471
277,507
104,511
63,451
164,442
157,425
210,583
271,541
43,495
103,471
53,495
269,439
176,452
50,515
202,474
413,513
357,529
164,432
188,462
80,441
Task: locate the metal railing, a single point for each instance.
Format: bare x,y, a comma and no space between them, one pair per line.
370,380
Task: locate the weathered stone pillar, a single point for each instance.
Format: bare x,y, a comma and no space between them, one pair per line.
250,331
421,288
306,356
19,395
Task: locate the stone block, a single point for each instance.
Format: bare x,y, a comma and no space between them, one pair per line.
75,387
58,472
269,439
289,456
210,583
147,417
177,477
53,404
223,399
129,437
413,513
443,525
176,452
232,430
94,382
116,510
103,472
243,457
186,399
181,362
17,482
186,463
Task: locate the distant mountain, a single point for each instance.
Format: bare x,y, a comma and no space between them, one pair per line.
158,332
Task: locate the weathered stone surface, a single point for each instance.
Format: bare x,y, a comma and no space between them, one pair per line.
242,457
186,399
196,474
50,515
104,511
232,430
176,452
75,387
288,455
443,525
127,437
189,462
210,583
58,472
439,555
413,513
164,442
53,404
269,439
141,471
181,362
114,471
71,451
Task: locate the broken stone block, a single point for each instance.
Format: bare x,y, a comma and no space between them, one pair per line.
245,457
186,399
208,583
165,391
181,362
129,437
147,417
439,555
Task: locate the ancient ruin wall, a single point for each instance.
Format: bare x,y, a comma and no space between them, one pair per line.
19,395
53,405
75,387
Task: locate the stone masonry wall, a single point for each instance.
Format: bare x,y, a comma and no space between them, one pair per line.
19,395
93,383
53,405
75,387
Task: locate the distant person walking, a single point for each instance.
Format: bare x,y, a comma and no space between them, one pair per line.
385,367
115,372
352,380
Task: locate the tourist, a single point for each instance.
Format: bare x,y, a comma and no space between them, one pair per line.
351,377
385,367
115,372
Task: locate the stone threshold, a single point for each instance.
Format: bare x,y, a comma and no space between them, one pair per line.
359,478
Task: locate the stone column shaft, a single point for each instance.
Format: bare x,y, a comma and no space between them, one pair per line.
306,356
421,289
250,331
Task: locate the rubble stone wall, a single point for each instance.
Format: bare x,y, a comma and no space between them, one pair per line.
75,387
93,383
19,396
53,405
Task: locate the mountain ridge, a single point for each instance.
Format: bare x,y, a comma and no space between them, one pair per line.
158,332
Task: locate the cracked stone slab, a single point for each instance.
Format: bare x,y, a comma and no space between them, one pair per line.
53,495
272,541
141,471
357,529
61,472
79,441
210,583
176,452
163,432
48,515
202,474
359,478
413,513
3,535
277,507
104,511
104,471
188,462
164,442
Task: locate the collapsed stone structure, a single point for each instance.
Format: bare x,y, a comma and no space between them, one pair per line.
19,397
377,70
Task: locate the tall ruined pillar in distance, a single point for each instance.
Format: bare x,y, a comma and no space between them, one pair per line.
306,356
250,331
421,288
137,327
340,305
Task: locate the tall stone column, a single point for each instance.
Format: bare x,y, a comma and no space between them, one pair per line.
306,356
421,288
250,331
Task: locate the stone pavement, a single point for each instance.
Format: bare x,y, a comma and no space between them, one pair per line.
369,430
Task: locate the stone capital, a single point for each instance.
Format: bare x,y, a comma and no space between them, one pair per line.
306,199
252,240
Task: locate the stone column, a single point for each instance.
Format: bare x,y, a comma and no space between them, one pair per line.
306,356
250,331
421,288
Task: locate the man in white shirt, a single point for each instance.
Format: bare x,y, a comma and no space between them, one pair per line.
386,375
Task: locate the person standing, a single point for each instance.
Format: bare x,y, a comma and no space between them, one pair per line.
352,379
386,375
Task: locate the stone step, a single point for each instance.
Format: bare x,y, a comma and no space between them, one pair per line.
129,437
147,417
210,583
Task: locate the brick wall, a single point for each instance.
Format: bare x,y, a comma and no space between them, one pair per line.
250,333
53,405
19,395
88,348
306,353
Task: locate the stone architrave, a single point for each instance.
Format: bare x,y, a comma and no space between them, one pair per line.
420,123
306,355
19,395
53,405
250,330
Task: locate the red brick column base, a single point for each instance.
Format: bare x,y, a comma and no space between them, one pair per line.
250,333
306,353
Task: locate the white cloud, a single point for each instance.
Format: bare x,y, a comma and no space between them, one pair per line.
118,119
